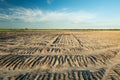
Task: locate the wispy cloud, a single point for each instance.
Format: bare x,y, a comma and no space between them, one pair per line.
49,1
38,15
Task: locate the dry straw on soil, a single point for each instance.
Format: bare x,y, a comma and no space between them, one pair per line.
60,55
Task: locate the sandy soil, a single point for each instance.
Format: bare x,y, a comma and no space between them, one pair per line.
60,55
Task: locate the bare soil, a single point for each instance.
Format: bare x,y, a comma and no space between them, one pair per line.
60,55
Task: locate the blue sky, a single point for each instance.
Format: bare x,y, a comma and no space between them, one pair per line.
60,14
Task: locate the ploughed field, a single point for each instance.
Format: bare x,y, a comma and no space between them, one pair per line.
60,55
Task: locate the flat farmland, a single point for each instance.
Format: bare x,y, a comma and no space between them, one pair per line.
60,55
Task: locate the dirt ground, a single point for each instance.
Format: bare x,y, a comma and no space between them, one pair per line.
60,55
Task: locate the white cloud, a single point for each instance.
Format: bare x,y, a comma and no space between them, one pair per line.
38,15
